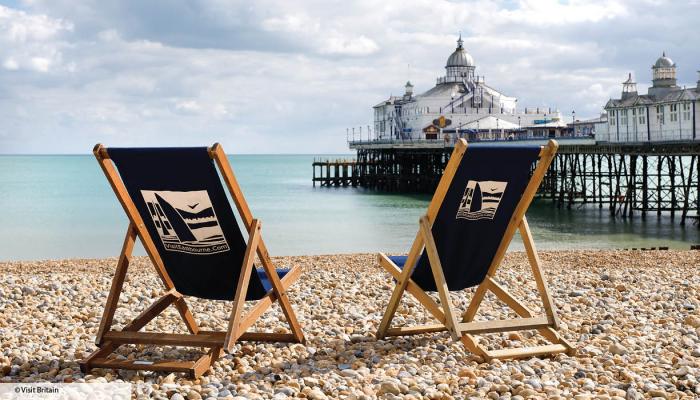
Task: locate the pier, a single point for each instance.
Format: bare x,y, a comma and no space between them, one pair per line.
337,172
628,179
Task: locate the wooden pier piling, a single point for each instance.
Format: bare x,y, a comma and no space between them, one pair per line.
628,179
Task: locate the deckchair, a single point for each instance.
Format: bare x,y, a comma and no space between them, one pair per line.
178,208
478,205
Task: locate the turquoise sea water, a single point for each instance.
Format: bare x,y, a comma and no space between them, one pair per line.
62,207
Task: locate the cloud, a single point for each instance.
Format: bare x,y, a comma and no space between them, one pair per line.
279,76
30,42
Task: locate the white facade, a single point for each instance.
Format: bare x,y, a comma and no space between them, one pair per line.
460,104
666,113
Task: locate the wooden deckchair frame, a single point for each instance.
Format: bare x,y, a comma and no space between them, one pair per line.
546,325
216,341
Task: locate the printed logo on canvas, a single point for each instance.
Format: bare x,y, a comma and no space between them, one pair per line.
489,193
186,221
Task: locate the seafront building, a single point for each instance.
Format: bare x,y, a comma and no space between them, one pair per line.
667,113
607,161
461,105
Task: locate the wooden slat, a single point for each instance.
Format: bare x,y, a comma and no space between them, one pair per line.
102,352
413,288
162,365
281,293
186,315
522,310
268,337
538,273
505,296
526,352
219,156
472,345
401,283
263,304
151,312
439,276
206,361
117,283
233,330
212,339
256,336
415,330
504,325
417,246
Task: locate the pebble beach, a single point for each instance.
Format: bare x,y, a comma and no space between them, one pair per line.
634,317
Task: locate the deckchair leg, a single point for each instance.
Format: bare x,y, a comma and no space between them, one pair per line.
401,284
242,289
560,345
281,292
535,264
439,276
117,283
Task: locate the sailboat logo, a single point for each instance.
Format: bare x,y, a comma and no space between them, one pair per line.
185,221
489,192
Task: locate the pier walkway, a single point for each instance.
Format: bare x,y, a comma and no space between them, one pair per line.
627,178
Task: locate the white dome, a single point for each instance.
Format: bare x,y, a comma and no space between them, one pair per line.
460,57
664,62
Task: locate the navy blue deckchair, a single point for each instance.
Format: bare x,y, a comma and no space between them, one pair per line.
479,203
178,208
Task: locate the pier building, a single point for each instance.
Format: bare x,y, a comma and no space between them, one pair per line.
641,157
667,113
461,104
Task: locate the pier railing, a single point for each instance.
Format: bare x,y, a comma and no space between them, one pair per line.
627,179
450,142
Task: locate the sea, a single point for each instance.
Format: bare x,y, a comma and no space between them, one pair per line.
57,207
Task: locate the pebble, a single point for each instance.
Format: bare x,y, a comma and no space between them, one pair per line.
50,312
618,349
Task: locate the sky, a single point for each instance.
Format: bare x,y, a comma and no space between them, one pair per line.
283,76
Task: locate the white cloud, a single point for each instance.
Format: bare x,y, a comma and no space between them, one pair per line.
359,46
277,75
30,41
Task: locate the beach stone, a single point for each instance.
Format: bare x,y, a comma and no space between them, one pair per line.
693,321
617,349
316,394
177,396
389,387
657,393
350,373
43,335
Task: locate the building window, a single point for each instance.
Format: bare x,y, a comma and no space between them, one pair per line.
686,111
674,112
623,117
660,114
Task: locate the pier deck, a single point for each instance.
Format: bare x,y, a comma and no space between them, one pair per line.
627,178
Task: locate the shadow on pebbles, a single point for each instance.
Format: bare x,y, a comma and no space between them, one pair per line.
634,317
